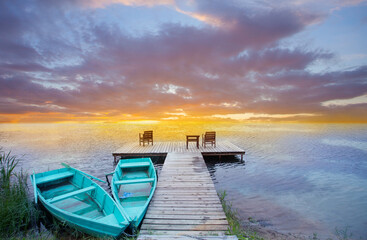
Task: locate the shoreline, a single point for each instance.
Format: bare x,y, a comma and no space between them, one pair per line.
265,233
250,229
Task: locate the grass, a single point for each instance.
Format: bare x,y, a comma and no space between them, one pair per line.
17,211
20,217
235,227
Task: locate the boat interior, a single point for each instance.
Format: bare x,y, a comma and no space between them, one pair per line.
74,193
134,186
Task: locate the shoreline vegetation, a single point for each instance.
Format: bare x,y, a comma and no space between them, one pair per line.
20,217
17,211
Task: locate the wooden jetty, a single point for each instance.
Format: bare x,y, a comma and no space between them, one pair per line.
223,148
185,204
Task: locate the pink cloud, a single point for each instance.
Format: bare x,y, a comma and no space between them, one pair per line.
203,70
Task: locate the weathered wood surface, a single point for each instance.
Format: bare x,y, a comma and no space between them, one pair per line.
162,148
185,204
184,237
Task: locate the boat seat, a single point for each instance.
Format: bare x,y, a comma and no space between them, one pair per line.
134,164
133,181
54,177
71,194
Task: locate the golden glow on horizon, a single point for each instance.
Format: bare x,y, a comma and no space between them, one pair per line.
176,117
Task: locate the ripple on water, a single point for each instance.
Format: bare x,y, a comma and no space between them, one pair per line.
296,178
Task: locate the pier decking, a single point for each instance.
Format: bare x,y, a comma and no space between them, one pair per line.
162,148
185,204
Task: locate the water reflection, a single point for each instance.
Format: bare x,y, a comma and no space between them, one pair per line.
296,177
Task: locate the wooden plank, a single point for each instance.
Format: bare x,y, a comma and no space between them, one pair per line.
185,173
162,191
185,201
183,233
183,179
188,188
192,185
180,202
184,237
174,193
134,181
185,221
198,212
186,206
184,198
166,147
180,180
199,227
185,210
198,217
185,167
71,194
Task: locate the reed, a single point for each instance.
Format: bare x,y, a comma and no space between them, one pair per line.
17,211
7,165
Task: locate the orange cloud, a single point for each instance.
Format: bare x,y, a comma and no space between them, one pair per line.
96,71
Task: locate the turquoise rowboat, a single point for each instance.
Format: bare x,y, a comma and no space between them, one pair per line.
133,184
70,196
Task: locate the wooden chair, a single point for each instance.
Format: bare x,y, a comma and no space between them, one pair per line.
146,137
209,137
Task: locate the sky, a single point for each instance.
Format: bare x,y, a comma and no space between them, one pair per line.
193,60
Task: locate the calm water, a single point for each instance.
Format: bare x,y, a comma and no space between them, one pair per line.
297,178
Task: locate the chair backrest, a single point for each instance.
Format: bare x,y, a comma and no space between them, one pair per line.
210,136
148,134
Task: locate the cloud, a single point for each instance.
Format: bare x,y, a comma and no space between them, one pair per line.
105,3
60,62
345,102
247,116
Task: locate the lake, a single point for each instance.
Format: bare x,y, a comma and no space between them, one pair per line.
297,178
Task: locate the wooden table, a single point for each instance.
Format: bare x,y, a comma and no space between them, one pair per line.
192,138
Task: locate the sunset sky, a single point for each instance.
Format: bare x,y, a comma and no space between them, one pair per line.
127,60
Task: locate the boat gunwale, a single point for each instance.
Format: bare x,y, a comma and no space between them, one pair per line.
56,211
153,188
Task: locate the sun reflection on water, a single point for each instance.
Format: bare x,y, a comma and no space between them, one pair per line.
297,177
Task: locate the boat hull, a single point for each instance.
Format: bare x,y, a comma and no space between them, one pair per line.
133,185
89,227
79,202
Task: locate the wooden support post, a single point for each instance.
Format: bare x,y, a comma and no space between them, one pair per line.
115,157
